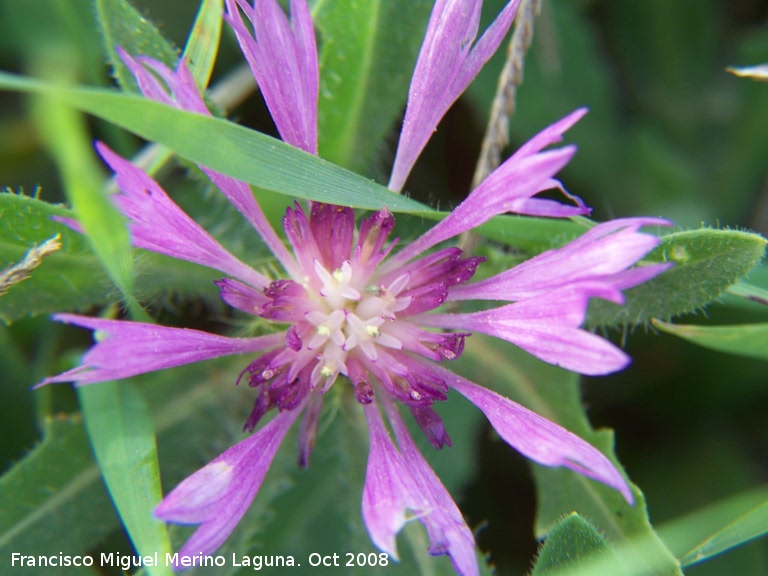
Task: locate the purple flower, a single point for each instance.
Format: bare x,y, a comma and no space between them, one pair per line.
448,62
283,58
353,311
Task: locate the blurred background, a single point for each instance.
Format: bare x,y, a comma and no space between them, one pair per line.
670,133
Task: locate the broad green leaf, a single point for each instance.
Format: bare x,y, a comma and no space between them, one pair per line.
706,263
366,61
71,279
554,394
59,500
122,25
743,339
123,441
59,503
717,528
571,541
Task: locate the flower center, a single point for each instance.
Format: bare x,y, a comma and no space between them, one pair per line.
351,316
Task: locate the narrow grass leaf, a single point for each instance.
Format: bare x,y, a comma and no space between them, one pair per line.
123,440
749,340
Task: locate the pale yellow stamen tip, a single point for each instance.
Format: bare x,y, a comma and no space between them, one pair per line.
338,275
323,330
326,372
373,331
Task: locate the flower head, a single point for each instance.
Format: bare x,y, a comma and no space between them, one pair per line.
352,310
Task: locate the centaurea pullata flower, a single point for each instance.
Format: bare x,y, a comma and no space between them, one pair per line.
353,310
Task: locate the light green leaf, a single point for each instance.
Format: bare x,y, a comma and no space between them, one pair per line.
570,542
366,61
203,42
122,25
706,263
228,148
554,394
270,164
65,135
717,528
123,441
58,503
750,292
742,339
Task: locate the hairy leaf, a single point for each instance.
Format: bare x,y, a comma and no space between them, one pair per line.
706,262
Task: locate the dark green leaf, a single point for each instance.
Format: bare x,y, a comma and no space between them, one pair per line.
58,503
231,149
706,262
122,25
72,279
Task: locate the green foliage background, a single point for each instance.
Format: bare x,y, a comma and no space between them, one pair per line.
669,133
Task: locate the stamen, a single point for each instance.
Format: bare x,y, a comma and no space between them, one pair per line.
373,331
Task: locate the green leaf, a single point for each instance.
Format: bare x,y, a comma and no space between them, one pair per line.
123,440
69,279
707,262
228,148
572,540
717,528
203,42
270,164
742,339
65,135
367,57
554,394
72,278
58,503
122,25
749,292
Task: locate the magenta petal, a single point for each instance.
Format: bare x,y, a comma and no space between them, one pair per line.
539,439
447,530
181,92
509,188
241,296
445,67
130,348
283,58
218,495
547,327
598,255
158,224
389,489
